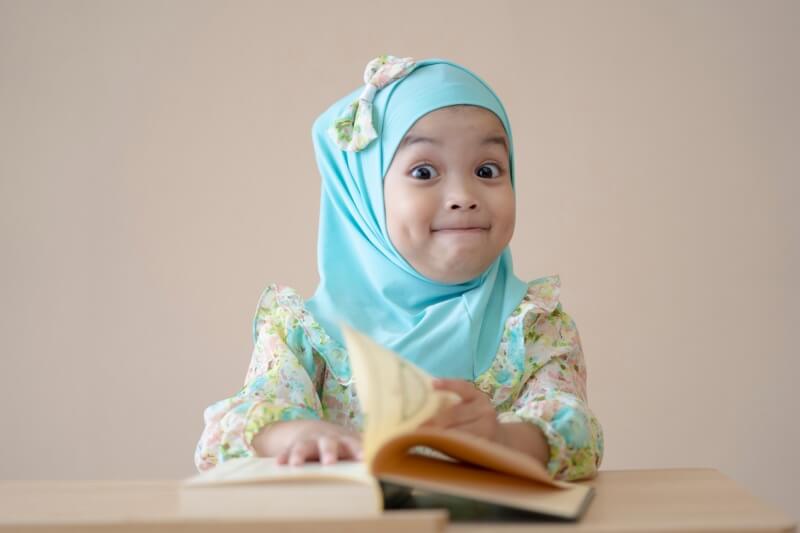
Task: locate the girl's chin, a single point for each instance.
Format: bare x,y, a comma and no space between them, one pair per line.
456,274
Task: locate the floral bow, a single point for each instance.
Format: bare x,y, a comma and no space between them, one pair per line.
353,130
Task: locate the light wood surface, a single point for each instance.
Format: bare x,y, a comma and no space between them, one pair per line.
663,500
632,500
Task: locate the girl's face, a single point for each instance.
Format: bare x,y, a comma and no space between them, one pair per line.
450,208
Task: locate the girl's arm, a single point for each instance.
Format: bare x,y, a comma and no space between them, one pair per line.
550,418
554,400
281,384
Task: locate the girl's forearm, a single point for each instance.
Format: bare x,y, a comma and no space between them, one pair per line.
527,438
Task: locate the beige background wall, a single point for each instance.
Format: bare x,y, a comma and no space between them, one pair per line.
157,172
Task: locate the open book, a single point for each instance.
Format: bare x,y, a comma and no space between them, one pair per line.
397,397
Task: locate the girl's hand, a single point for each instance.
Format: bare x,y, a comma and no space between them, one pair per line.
297,441
475,414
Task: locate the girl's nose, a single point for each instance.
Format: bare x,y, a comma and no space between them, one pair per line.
460,193
462,204
461,196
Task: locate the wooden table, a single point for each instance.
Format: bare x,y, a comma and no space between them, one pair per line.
663,500
626,500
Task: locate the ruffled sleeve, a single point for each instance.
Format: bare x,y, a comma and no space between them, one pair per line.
552,393
282,382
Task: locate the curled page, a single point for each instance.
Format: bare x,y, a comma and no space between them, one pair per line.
396,395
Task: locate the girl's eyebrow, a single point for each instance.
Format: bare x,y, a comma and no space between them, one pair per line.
412,139
496,139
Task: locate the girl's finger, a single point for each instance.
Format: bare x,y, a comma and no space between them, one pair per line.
461,414
301,451
451,416
476,427
328,449
466,390
352,448
283,457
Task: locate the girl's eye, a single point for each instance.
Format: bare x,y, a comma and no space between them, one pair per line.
424,172
488,170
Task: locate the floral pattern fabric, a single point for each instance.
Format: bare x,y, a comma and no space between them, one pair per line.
354,129
297,371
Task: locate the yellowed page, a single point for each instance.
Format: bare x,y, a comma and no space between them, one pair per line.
466,448
396,396
486,485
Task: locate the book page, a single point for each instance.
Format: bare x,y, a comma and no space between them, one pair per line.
463,447
265,469
396,395
442,477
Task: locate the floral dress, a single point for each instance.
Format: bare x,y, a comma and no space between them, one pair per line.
298,371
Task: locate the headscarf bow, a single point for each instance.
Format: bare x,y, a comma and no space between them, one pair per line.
354,130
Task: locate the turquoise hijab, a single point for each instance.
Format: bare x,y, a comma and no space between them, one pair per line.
450,330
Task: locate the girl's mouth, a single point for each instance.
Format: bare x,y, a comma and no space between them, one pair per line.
457,231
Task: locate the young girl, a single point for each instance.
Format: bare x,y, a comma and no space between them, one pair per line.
417,211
